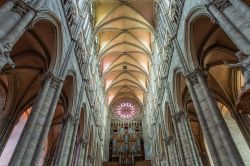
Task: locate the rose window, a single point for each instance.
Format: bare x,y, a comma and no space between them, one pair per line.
126,110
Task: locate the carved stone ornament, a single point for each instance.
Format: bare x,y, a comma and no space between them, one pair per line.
55,81
193,78
168,140
22,7
91,159
70,117
83,142
221,4
179,115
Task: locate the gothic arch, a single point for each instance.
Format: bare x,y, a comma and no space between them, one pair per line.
188,35
179,87
58,36
34,54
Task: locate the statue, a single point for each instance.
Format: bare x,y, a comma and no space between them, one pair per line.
244,64
5,56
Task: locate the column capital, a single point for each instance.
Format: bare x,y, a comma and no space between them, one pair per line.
192,76
55,81
83,142
168,140
22,7
91,158
179,115
70,117
221,4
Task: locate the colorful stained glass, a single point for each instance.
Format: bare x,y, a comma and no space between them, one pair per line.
126,110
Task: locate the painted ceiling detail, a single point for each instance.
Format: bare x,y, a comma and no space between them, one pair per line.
125,31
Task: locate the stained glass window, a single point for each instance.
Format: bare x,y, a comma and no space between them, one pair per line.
126,110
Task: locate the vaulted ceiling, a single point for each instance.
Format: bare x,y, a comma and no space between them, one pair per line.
125,30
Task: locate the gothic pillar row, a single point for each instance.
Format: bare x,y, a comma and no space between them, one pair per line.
35,122
213,125
187,143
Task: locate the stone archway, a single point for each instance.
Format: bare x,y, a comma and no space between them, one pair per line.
34,55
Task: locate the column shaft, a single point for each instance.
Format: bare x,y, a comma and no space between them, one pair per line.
232,151
241,7
67,144
29,126
45,131
7,6
73,140
203,122
37,131
191,158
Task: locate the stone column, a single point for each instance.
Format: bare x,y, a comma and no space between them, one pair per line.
83,151
37,132
68,142
232,151
73,140
7,6
174,155
168,151
32,120
217,136
241,7
192,83
62,151
187,142
216,8
46,126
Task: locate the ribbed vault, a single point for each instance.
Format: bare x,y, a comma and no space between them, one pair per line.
124,30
